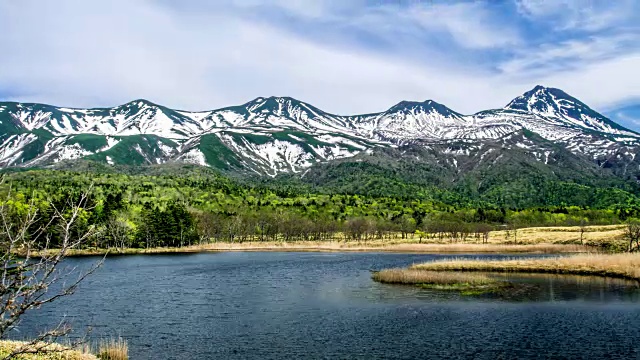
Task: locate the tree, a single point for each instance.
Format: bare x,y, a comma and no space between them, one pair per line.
583,228
406,225
31,270
355,228
632,232
483,230
117,232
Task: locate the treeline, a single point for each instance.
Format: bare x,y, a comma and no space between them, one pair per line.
179,226
194,206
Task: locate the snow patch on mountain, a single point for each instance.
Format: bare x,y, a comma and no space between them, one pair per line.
276,156
194,156
331,139
12,148
281,134
111,142
71,152
333,152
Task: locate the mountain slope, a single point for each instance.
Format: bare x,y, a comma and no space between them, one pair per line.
275,135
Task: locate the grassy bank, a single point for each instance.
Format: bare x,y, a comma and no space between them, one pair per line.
43,351
113,349
625,266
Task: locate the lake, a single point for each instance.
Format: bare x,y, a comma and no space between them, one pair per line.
287,305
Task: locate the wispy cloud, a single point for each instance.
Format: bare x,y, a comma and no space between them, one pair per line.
587,15
466,24
569,54
204,60
628,116
469,24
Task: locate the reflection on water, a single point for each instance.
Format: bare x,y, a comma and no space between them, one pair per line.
528,288
325,305
547,287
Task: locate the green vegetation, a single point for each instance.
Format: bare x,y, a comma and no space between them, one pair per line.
182,205
217,154
510,179
89,142
135,150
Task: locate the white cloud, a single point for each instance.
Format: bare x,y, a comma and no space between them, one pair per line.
81,53
464,24
631,120
588,15
88,53
470,24
569,54
304,8
601,84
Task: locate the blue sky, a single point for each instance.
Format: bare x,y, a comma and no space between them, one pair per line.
342,56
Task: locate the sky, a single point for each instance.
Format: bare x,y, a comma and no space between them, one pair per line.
342,56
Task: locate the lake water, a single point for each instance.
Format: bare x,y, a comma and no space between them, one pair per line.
269,305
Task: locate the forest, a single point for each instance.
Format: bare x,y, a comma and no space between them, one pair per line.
174,206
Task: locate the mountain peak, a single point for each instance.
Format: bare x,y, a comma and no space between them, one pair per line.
427,106
270,103
557,104
139,103
541,99
260,99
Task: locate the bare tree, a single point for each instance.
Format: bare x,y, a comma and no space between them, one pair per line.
583,227
632,232
355,228
483,230
31,271
118,231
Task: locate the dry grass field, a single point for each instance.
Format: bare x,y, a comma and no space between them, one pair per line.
43,351
328,246
412,276
625,265
593,235
112,349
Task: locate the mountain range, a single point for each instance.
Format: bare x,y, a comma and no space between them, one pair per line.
544,129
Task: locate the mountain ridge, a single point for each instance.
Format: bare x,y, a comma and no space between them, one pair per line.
276,134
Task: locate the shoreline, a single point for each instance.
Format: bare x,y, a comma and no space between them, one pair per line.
534,240
458,248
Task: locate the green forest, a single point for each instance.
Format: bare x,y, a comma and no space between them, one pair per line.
183,205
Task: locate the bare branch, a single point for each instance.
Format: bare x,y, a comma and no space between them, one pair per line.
31,271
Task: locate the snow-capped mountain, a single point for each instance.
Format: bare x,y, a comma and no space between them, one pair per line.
555,104
280,134
409,120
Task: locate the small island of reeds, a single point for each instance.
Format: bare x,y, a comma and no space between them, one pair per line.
471,276
465,283
624,266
